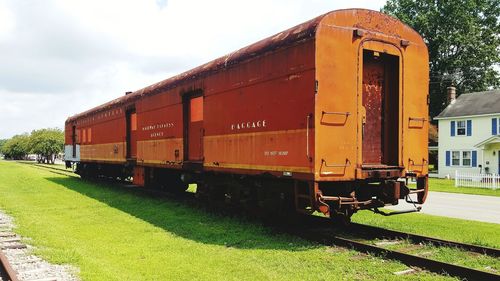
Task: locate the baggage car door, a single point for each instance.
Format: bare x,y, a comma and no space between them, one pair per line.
73,141
193,108
131,117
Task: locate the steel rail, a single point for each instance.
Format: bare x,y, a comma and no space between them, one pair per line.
382,232
9,274
56,170
379,232
435,266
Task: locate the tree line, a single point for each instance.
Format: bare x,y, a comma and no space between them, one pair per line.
46,144
463,41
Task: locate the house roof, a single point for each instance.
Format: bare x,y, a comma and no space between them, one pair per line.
490,140
471,104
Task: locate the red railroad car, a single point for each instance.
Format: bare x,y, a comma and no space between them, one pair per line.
330,115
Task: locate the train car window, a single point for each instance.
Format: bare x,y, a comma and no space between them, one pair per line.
89,135
196,109
133,121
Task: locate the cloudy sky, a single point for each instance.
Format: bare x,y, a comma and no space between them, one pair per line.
61,57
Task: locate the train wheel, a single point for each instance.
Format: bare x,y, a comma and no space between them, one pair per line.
341,216
177,187
202,192
173,183
340,219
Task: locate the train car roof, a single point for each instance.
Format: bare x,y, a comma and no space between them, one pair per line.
289,37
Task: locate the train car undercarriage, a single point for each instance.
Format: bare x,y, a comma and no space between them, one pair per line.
271,196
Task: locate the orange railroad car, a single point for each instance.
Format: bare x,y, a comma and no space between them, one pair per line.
330,115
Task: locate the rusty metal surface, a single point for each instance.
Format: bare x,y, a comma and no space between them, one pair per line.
373,95
339,72
10,273
287,103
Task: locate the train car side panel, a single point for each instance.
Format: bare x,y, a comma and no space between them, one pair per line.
102,137
261,124
160,130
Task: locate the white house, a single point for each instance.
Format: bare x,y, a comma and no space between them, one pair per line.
469,134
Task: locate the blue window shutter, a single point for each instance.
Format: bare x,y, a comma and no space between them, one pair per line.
494,126
469,127
447,158
452,128
474,158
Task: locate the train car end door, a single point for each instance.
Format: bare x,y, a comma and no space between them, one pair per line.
380,101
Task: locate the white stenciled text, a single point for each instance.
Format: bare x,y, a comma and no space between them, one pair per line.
249,125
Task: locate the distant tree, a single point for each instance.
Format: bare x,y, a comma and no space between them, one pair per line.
17,147
433,134
46,144
463,40
2,142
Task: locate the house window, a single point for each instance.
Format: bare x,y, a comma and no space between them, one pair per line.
461,158
466,158
455,158
461,128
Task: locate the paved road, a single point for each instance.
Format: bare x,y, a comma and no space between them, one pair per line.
463,206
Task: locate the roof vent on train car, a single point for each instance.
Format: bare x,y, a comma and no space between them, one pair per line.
359,32
128,93
405,43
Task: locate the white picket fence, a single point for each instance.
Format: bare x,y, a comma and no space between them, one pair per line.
491,181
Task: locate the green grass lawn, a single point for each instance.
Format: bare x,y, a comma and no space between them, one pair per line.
444,185
112,233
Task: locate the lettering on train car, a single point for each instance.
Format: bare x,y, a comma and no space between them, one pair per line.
275,153
158,126
249,125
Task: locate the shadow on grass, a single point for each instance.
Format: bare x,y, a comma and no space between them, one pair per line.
184,219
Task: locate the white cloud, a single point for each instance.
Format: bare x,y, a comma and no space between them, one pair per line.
61,57
7,23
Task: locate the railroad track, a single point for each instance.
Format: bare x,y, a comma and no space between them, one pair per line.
8,241
55,169
17,261
332,238
7,273
387,233
321,230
